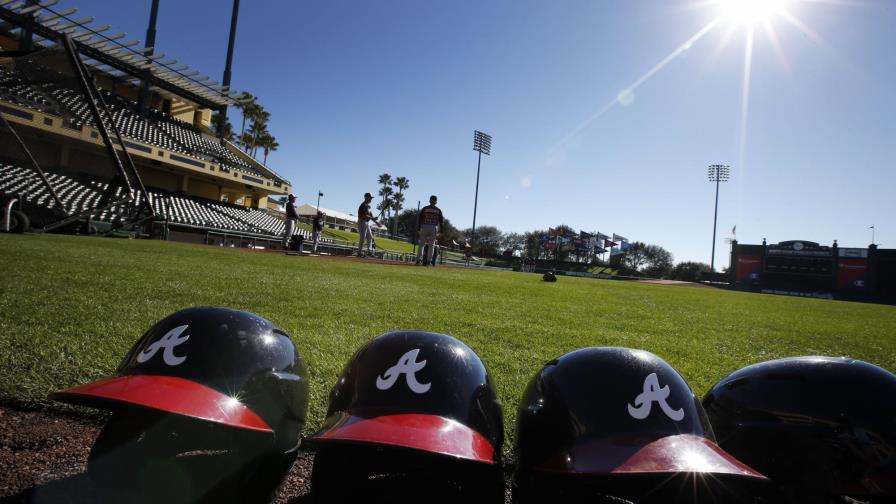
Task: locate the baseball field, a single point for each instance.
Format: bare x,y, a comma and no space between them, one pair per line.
70,307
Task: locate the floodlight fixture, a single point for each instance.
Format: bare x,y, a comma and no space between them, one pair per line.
482,142
719,173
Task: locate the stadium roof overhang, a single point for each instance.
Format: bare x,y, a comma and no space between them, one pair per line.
113,53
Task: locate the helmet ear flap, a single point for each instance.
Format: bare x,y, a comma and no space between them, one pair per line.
280,399
293,390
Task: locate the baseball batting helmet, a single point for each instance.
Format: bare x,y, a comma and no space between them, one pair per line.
818,426
209,397
416,406
620,422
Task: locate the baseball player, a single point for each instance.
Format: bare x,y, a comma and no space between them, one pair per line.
365,215
290,224
317,225
429,224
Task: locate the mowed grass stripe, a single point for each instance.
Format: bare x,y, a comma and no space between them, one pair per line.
72,306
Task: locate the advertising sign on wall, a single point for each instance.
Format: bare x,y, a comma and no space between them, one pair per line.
748,268
852,273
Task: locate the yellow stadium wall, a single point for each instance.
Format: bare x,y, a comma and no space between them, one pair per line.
204,189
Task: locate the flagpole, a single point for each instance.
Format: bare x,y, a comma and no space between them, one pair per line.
872,234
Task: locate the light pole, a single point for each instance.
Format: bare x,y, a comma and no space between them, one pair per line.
319,194
483,144
716,173
416,234
228,63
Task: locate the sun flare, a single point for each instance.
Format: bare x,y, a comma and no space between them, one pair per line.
750,12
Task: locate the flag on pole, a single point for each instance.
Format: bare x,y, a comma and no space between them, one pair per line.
610,244
617,237
734,231
320,194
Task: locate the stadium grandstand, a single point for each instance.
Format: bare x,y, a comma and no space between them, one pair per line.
200,188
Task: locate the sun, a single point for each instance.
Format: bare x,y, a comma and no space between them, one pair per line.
750,12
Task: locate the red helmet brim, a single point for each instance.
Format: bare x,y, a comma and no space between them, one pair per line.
430,433
165,393
683,453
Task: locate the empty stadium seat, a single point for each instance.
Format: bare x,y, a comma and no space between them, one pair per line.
80,193
157,128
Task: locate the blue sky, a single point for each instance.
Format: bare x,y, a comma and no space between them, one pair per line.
359,88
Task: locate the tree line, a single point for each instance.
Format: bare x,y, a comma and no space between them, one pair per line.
642,258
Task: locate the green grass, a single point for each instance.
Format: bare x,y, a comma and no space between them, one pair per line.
70,307
381,243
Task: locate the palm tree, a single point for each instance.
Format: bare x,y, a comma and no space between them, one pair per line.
402,184
397,203
250,139
259,128
385,179
386,192
268,144
249,108
245,141
383,207
222,126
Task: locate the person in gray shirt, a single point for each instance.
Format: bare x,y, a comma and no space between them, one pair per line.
429,225
365,233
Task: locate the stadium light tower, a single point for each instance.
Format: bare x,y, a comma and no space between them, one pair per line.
483,144
716,173
143,96
228,64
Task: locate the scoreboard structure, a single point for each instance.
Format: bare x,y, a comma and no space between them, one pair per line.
805,268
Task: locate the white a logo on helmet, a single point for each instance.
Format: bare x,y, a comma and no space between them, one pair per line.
653,393
167,342
408,366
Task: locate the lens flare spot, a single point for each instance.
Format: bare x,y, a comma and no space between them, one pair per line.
230,404
697,462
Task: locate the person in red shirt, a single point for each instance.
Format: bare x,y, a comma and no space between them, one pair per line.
429,225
